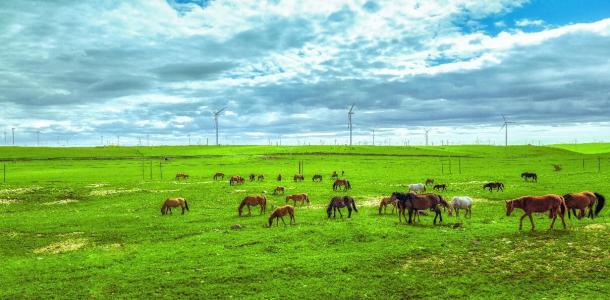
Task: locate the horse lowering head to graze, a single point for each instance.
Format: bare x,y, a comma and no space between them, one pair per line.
316,178
182,176
174,202
342,182
334,175
260,178
298,177
279,177
414,202
417,187
528,175
280,212
440,187
338,202
303,197
219,175
253,200
554,204
460,202
279,189
385,202
252,177
582,201
236,180
429,181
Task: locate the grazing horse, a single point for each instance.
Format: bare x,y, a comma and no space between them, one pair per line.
317,178
219,175
174,202
236,180
253,201
555,204
415,202
338,202
182,176
429,181
260,178
298,177
440,187
279,189
417,187
494,185
341,182
279,213
385,202
582,201
528,175
298,197
460,202
252,177
334,175
279,177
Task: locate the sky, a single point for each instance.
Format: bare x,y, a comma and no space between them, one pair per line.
153,72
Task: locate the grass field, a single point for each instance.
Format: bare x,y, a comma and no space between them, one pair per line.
85,222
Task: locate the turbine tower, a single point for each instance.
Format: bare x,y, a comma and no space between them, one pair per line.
505,127
216,114
426,133
349,125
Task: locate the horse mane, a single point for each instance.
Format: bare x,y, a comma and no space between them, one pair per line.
241,206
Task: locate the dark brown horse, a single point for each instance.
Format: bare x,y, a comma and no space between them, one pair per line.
554,204
582,201
260,178
280,212
316,178
303,197
236,180
278,190
414,202
440,187
219,175
298,177
499,186
253,201
279,177
429,181
252,177
385,202
338,202
342,182
174,202
334,175
182,176
528,175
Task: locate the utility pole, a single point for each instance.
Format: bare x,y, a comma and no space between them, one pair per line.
13,130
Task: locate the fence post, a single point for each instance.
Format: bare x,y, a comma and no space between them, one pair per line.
143,170
449,164
599,165
151,170
460,165
161,170
583,164
442,167
4,178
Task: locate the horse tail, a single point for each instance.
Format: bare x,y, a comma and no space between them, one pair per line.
600,203
349,186
307,198
186,205
563,207
329,208
354,205
264,203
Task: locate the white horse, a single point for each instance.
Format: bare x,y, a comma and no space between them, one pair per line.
417,187
461,202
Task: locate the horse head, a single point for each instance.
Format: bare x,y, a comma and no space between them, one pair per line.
510,205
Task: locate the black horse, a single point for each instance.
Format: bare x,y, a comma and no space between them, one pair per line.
528,175
317,178
338,202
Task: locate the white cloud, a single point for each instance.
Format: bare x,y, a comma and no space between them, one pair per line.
528,22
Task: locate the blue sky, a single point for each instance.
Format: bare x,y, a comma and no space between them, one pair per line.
77,71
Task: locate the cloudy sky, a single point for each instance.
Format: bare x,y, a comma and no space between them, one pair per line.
79,70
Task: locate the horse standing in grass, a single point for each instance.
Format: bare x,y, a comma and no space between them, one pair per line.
298,197
182,176
414,203
440,187
298,177
174,202
253,201
460,202
341,182
554,204
494,185
582,201
417,187
278,190
316,178
334,175
429,181
219,175
279,177
385,202
528,175
279,213
236,180
252,177
338,202
260,178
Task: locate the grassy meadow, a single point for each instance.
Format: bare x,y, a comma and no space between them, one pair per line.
86,223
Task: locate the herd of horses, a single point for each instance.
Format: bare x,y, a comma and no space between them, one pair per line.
416,201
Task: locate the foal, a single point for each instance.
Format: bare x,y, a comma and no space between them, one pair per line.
280,212
387,201
555,204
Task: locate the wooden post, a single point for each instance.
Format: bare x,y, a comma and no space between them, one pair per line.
583,164
4,172
442,167
599,165
151,170
161,170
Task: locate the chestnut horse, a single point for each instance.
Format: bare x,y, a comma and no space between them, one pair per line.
317,178
338,202
555,204
253,201
219,175
174,202
385,202
280,212
278,190
342,182
183,176
236,180
298,177
298,197
582,201
528,175
415,202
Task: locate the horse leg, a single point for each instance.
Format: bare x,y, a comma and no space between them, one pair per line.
340,214
249,210
561,215
521,221
182,209
349,212
410,215
554,214
283,220
581,214
532,221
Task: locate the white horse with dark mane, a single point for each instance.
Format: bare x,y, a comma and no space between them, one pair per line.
417,187
460,202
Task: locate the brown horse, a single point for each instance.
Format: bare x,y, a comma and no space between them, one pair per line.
316,178
415,202
252,177
280,212
278,190
260,178
219,175
582,201
338,202
440,187
174,202
342,182
298,197
555,204
528,175
298,177
236,180
279,177
182,176
494,185
385,202
334,175
429,181
253,201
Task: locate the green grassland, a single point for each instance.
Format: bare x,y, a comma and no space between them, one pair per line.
85,222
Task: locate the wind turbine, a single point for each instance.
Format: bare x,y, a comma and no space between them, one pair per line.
426,133
216,114
349,125
505,127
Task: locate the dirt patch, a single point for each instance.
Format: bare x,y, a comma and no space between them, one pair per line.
60,202
62,246
20,190
97,185
595,227
113,192
7,201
